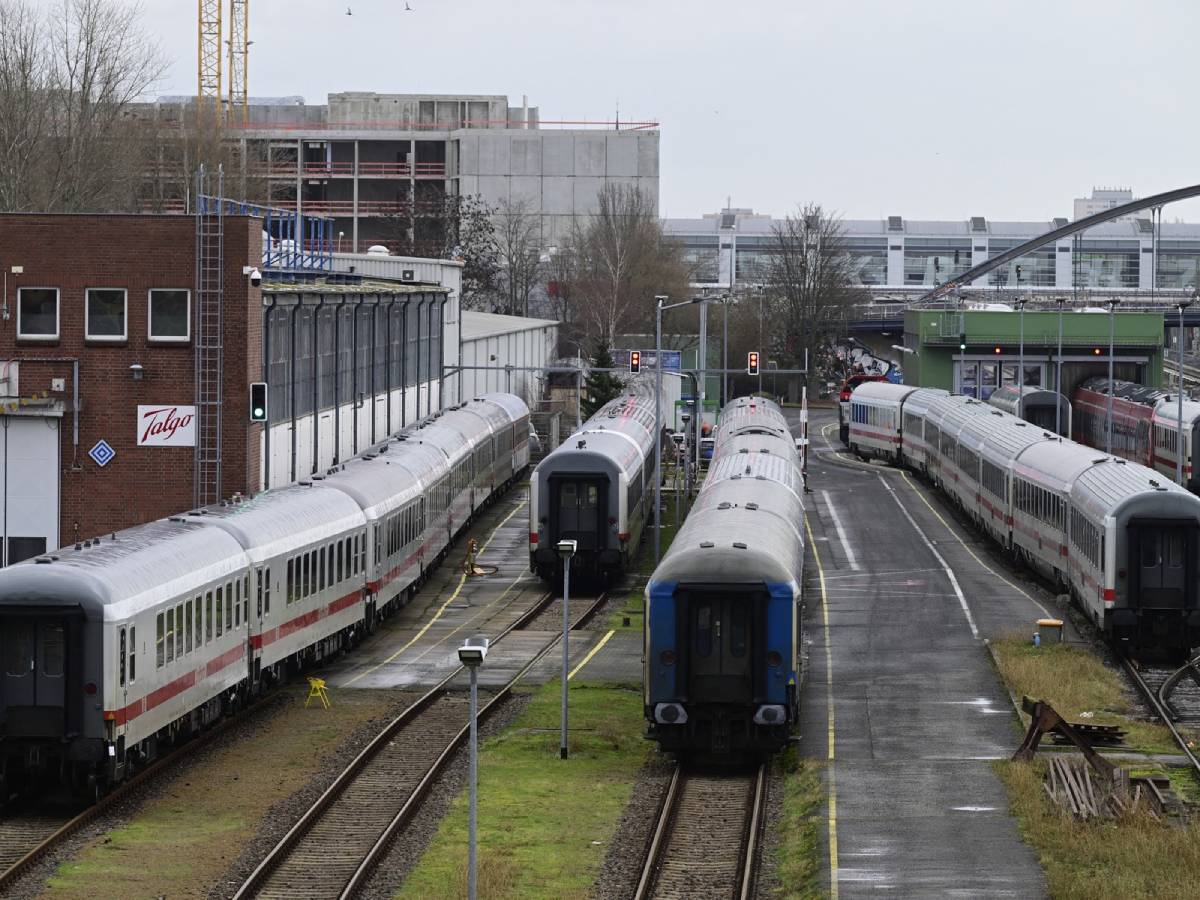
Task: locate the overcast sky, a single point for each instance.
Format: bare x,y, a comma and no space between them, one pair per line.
936,110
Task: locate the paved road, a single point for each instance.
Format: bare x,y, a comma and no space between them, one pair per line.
900,696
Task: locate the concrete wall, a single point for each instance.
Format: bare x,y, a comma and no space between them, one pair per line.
530,347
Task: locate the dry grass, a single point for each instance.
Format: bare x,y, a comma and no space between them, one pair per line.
1132,857
798,852
1075,681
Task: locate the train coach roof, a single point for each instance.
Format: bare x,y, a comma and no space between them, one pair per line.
952,412
384,482
123,575
755,467
1167,411
513,405
1057,462
781,446
922,398
276,522
1002,438
1126,390
738,532
882,390
1110,485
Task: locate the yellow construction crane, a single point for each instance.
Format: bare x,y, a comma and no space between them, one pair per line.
209,81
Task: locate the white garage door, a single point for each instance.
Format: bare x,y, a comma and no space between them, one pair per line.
28,486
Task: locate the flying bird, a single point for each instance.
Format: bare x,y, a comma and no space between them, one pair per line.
407,8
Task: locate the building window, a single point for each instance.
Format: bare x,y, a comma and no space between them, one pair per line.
105,314
37,313
169,318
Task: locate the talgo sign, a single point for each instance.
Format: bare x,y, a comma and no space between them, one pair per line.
166,425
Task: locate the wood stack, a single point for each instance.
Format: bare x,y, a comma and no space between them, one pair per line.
1071,783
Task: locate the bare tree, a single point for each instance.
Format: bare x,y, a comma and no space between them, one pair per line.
518,246
72,72
809,286
622,260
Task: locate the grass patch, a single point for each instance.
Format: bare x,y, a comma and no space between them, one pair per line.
799,826
1132,857
1075,680
544,824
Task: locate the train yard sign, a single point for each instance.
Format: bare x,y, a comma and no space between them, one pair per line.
166,425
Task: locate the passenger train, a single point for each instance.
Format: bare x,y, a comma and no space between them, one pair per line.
722,632
1146,425
124,643
1120,538
596,488
1035,405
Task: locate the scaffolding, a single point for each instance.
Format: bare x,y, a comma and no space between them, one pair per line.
209,334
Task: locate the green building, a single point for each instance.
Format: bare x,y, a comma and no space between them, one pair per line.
936,357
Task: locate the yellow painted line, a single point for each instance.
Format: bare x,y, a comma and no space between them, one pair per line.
587,659
458,590
833,848
982,564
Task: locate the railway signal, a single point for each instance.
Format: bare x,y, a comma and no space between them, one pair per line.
635,361
962,342
752,362
258,401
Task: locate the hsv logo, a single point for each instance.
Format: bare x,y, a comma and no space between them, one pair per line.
166,425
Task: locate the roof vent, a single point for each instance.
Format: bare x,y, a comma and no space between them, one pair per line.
705,545
318,478
306,483
724,504
747,470
42,560
176,519
580,445
760,477
739,545
744,450
751,505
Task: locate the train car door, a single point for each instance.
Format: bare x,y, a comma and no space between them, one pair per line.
579,511
1160,565
720,630
33,655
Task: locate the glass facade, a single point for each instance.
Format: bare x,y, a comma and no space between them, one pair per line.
1111,264
979,378
1037,269
932,261
1178,262
868,260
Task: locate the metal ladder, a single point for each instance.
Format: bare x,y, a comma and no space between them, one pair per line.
209,334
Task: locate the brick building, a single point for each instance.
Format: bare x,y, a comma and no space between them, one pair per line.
98,386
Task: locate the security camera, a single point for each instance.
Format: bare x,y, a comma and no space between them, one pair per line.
255,277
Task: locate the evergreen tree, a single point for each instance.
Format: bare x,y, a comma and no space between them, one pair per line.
600,387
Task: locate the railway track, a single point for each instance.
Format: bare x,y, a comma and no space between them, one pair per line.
705,843
1154,684
26,837
333,848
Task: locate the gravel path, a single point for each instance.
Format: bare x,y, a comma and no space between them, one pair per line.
407,851
623,862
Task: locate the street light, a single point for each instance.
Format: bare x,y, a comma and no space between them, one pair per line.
1020,304
472,654
1058,374
1183,304
1112,324
566,549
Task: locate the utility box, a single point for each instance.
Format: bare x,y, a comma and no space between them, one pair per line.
1050,631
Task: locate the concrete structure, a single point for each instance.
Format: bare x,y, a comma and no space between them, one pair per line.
1102,199
382,163
493,340
896,258
993,348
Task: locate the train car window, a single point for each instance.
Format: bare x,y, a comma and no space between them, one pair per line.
170,636
159,656
179,631
132,653
321,569
237,609
220,611
267,592
1150,551
288,597
362,553
198,621
258,576
228,608
737,631
341,556
1174,549
329,560
122,657
208,617
704,630
378,545
187,631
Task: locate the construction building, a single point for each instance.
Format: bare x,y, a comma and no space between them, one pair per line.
382,165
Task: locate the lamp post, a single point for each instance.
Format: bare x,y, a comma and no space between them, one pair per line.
1180,442
1112,324
1020,304
1058,372
566,549
471,654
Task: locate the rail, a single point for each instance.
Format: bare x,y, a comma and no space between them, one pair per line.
406,125
697,839
283,851
1151,697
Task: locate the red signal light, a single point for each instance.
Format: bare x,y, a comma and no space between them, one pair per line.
635,361
1095,351
997,349
752,362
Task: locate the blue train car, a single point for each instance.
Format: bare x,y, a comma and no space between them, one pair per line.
723,608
